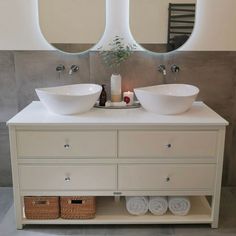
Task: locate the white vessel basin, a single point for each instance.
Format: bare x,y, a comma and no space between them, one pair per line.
167,99
70,99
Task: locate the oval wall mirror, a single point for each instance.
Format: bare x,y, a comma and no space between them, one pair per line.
72,26
162,25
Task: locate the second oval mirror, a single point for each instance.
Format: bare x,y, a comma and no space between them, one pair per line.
72,26
162,25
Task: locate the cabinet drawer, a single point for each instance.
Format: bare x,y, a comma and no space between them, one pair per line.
166,176
63,144
82,177
151,144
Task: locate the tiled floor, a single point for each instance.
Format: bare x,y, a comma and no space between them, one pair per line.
227,223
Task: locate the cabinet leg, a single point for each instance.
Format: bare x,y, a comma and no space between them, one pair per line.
215,211
117,198
18,205
19,226
215,205
214,225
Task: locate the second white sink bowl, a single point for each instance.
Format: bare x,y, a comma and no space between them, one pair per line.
70,99
167,99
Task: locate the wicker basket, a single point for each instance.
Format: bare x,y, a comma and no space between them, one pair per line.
42,207
78,207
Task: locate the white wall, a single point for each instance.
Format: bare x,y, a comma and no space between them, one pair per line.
117,23
19,26
215,26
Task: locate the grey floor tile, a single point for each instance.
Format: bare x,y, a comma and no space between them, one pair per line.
227,223
7,225
5,160
147,230
6,201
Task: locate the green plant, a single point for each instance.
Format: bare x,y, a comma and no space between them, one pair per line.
118,52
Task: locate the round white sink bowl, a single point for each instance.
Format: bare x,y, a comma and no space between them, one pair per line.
70,99
167,99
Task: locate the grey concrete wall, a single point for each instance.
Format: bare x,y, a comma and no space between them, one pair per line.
23,71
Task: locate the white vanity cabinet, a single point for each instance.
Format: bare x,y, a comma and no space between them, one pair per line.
109,153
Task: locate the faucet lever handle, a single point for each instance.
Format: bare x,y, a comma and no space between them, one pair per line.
60,68
73,69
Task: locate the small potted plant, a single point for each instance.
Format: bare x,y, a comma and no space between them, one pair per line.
118,52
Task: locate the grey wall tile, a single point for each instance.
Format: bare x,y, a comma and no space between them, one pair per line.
99,73
142,70
231,160
38,69
139,70
5,162
213,72
32,70
8,98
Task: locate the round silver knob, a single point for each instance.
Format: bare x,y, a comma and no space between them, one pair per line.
60,68
167,179
66,146
175,69
67,179
168,145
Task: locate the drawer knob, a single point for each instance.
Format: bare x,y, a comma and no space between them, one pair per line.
67,179
167,179
168,145
66,146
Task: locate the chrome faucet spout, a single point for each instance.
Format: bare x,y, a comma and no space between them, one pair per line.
162,70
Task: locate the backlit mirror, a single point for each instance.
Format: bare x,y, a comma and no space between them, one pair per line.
162,25
72,26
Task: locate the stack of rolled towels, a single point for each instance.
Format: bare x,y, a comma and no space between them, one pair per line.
158,205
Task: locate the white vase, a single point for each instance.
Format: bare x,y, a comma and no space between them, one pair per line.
116,88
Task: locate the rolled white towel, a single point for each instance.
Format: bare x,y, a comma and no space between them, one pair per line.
179,205
158,205
137,205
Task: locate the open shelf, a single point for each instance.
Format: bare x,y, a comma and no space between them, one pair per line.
110,211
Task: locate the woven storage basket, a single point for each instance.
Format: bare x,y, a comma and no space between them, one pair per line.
42,207
78,207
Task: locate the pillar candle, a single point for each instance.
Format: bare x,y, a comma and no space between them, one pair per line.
128,97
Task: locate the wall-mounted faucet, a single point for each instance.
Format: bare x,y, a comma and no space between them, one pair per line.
175,70
162,69
60,68
73,69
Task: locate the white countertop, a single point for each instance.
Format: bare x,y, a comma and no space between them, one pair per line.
37,114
